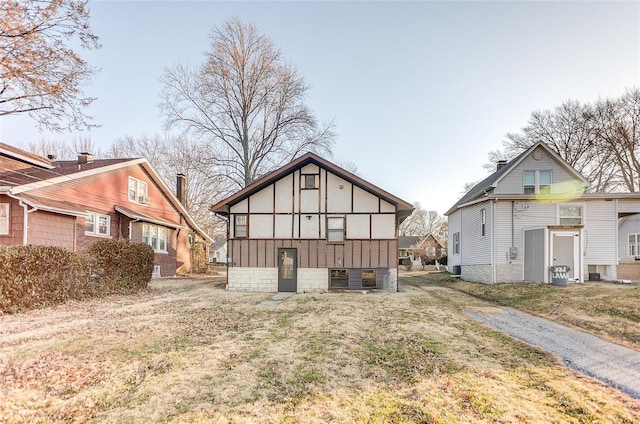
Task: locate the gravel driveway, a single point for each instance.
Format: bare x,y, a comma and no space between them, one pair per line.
615,365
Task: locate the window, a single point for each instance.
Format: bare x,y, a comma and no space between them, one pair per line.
529,181
483,222
570,215
156,272
536,182
335,229
456,243
155,237
138,191
339,279
545,182
369,278
634,244
240,228
309,181
97,224
4,218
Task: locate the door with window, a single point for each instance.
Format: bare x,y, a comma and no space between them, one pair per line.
287,270
565,247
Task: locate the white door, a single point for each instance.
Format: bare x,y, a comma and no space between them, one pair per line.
565,248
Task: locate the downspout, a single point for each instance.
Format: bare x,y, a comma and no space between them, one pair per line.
25,221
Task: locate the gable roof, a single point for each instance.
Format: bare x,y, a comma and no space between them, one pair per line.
488,184
404,208
44,173
407,242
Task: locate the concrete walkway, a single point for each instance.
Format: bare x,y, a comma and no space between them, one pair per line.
610,363
276,299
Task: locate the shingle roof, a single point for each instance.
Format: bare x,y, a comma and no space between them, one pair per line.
405,242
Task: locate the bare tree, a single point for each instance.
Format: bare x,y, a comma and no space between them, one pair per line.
421,222
618,132
170,155
246,103
61,149
571,130
40,73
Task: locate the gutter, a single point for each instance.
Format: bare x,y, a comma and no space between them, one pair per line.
25,221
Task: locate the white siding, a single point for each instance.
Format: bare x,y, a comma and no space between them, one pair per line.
261,226
309,202
628,206
512,182
240,207
284,193
358,227
310,169
454,227
475,249
600,233
364,201
338,199
309,225
387,207
628,225
284,226
262,201
383,226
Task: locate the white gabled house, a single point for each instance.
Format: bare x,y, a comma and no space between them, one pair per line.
533,213
312,226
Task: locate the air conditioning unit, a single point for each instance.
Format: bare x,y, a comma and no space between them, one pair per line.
143,199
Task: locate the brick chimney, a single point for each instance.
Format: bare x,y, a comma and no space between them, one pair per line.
501,163
181,187
85,157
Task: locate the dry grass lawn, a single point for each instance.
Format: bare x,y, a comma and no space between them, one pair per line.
608,310
187,351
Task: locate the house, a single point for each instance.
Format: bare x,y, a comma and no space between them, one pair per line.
408,250
72,204
218,251
431,247
532,214
312,226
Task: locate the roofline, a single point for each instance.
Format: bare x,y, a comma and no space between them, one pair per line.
551,198
141,217
557,157
25,156
76,175
222,207
34,204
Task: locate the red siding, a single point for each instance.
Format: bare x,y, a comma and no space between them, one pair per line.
49,229
16,226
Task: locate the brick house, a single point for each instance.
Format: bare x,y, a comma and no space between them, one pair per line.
312,226
72,204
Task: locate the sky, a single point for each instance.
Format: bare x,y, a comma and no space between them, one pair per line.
420,92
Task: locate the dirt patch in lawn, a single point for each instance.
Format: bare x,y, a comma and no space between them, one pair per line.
189,351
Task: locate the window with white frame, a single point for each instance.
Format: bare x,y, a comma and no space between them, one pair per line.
155,236
138,191
335,229
570,215
634,245
241,227
4,218
456,243
96,224
536,182
483,222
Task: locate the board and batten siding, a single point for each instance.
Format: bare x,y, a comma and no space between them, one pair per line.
601,226
512,182
475,248
283,214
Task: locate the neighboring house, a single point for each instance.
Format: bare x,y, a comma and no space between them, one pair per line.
218,251
431,247
408,250
72,204
312,226
532,214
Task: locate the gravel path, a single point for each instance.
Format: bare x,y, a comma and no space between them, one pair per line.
615,365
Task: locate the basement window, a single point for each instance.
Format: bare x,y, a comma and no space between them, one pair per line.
339,279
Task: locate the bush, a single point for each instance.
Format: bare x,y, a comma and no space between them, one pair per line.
122,267
39,276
